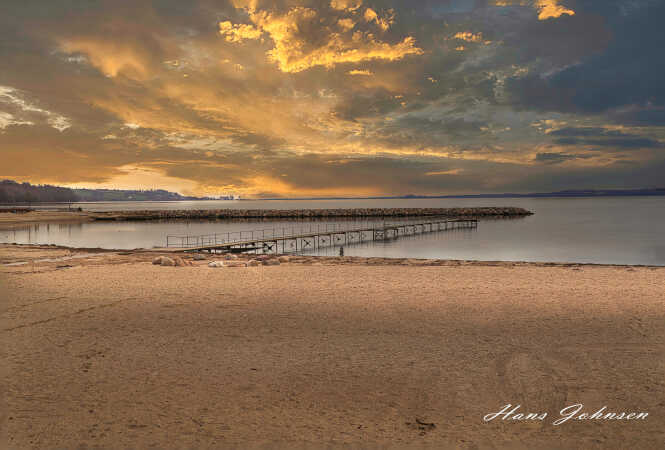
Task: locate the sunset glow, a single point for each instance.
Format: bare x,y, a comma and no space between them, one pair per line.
262,98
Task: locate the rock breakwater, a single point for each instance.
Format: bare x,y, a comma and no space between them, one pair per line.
313,213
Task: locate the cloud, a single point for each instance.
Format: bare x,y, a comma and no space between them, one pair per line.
238,33
303,40
383,22
645,116
360,72
321,97
622,143
547,9
551,9
7,119
444,172
346,5
25,112
133,176
603,137
468,36
558,158
346,24
620,74
581,131
110,57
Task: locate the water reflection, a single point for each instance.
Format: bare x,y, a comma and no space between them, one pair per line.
130,235
590,230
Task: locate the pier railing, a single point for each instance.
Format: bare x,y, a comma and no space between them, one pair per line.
184,241
280,233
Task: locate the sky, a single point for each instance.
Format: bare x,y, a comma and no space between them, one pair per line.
314,98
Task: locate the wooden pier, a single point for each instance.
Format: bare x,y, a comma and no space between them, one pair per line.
310,237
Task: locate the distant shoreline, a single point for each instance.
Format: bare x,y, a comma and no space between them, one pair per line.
553,195
88,196
559,194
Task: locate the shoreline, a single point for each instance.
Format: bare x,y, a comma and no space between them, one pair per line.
149,254
14,219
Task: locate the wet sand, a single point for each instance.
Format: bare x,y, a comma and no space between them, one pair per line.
106,350
13,220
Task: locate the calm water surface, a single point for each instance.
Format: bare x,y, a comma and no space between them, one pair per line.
610,230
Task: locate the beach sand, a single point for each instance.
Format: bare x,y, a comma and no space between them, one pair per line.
17,220
106,350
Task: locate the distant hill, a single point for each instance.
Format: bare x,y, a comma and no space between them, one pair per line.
566,193
111,195
13,192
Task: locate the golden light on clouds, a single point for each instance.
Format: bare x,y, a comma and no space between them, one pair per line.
110,57
469,36
383,22
550,9
346,24
134,176
360,72
363,47
547,9
238,33
293,52
316,97
346,5
281,186
444,172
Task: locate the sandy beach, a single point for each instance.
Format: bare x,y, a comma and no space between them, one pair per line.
107,350
14,220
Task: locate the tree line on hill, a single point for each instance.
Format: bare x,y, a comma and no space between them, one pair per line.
13,192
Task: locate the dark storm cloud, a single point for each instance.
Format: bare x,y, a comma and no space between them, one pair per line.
556,158
628,72
626,143
583,131
563,41
618,175
644,117
596,136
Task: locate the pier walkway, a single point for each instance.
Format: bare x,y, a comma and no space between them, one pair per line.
310,236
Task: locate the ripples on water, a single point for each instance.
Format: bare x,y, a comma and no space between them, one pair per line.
609,230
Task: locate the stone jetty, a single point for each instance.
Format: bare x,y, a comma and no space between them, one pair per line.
212,214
